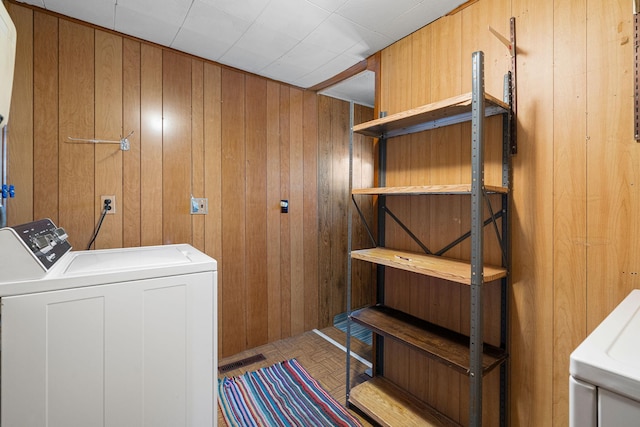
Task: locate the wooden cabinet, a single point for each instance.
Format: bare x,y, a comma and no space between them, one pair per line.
470,355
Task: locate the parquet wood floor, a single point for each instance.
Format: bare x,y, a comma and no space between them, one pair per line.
323,360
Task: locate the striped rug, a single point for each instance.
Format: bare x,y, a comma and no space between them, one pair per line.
280,395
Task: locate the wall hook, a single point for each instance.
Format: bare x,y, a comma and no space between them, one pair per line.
124,142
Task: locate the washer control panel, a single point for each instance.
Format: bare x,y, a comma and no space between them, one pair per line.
46,242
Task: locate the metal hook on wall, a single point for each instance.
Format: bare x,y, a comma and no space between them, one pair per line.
124,142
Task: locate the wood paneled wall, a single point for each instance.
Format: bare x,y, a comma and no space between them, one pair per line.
335,202
575,184
199,129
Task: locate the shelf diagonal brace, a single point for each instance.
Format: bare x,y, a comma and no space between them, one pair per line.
466,235
495,226
409,232
364,221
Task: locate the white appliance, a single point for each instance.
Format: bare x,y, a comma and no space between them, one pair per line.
115,337
604,386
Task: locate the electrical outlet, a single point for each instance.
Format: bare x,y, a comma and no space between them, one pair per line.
113,203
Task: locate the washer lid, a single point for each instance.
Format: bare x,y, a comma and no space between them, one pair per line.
104,266
145,257
610,356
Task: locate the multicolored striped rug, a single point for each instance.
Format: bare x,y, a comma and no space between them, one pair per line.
280,395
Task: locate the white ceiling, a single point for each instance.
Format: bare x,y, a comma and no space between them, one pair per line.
300,42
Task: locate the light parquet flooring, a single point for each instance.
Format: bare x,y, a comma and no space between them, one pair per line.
323,360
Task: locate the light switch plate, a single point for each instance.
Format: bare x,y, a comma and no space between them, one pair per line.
199,206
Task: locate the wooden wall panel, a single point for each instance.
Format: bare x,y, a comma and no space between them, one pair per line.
325,166
284,121
397,283
402,92
359,238
570,185
476,36
45,108
532,237
20,131
76,119
363,274
420,153
234,313
151,125
396,66
274,284
296,211
213,172
197,149
130,203
420,217
108,126
309,209
256,210
449,156
340,204
420,66
613,257
176,147
333,204
497,62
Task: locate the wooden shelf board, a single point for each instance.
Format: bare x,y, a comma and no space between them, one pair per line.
429,113
388,405
440,344
428,265
426,189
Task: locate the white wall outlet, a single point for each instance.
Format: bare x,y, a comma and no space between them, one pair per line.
111,197
199,205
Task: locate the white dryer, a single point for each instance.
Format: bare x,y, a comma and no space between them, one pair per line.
115,337
604,386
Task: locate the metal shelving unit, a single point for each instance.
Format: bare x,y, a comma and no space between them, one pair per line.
469,355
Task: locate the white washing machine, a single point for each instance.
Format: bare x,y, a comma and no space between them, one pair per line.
115,337
604,386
